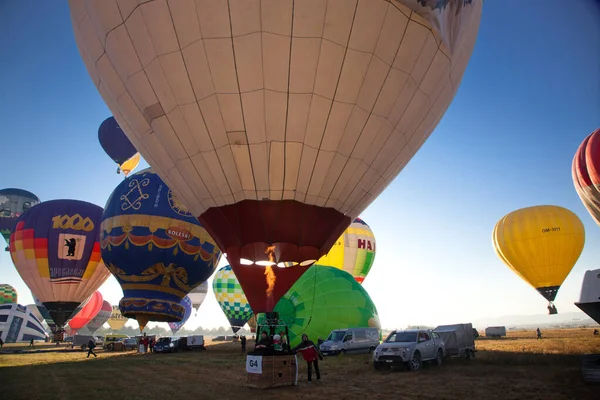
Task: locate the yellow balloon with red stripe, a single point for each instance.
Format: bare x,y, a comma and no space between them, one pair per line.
540,244
353,252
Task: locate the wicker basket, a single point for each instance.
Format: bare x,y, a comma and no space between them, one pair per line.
279,370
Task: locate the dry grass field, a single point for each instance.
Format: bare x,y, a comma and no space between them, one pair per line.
516,367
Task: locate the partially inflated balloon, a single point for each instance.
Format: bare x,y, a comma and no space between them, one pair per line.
252,323
13,202
155,248
324,299
8,294
20,324
541,244
117,145
276,122
99,320
87,312
186,303
55,248
116,320
586,174
231,298
198,294
354,251
45,314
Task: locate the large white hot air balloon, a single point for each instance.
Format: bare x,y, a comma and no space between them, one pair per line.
197,295
276,122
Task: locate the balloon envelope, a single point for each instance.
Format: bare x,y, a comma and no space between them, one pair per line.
56,251
19,324
8,294
354,251
99,320
13,202
155,248
586,174
198,294
117,145
231,298
277,122
324,299
116,320
87,313
186,303
541,244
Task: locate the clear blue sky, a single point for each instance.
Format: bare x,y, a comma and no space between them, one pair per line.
530,94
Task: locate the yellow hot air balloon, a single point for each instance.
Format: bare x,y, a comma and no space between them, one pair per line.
354,251
116,320
130,164
541,244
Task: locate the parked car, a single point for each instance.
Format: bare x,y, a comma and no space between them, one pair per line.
167,345
409,348
351,340
495,331
128,344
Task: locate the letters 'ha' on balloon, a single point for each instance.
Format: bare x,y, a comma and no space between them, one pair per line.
354,251
186,303
586,174
276,122
55,248
155,248
541,244
231,298
324,299
13,202
117,145
8,294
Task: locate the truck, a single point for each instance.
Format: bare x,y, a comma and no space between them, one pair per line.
458,340
409,348
195,342
351,340
495,331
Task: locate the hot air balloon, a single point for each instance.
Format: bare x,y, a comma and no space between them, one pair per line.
44,313
117,320
354,251
101,317
13,202
155,248
541,244
231,298
87,313
117,145
8,294
252,323
324,299
19,324
276,122
586,174
198,294
56,251
186,303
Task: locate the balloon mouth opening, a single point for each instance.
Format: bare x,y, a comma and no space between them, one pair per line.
268,263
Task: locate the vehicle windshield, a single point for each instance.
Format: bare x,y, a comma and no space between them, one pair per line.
336,336
164,340
402,337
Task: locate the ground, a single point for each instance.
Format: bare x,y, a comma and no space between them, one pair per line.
516,367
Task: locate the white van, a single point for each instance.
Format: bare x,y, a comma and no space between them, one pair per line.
350,341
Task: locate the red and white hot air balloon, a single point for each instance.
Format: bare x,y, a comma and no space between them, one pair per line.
276,122
586,174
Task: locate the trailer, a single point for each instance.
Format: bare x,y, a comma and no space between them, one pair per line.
495,331
195,342
458,339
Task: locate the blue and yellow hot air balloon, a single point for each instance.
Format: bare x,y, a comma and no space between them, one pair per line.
13,203
117,145
155,248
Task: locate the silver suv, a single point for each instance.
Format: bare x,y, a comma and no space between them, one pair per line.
410,348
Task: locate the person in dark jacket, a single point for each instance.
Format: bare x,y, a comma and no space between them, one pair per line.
311,355
91,345
243,342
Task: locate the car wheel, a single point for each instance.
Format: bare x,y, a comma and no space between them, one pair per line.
439,358
371,349
343,352
415,362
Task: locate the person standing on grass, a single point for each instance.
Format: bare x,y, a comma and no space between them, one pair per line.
31,343
243,342
91,345
1,343
539,333
311,355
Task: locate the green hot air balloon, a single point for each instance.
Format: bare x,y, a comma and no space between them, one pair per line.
231,298
8,294
324,299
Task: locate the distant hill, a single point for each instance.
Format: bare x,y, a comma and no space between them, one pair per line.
532,321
